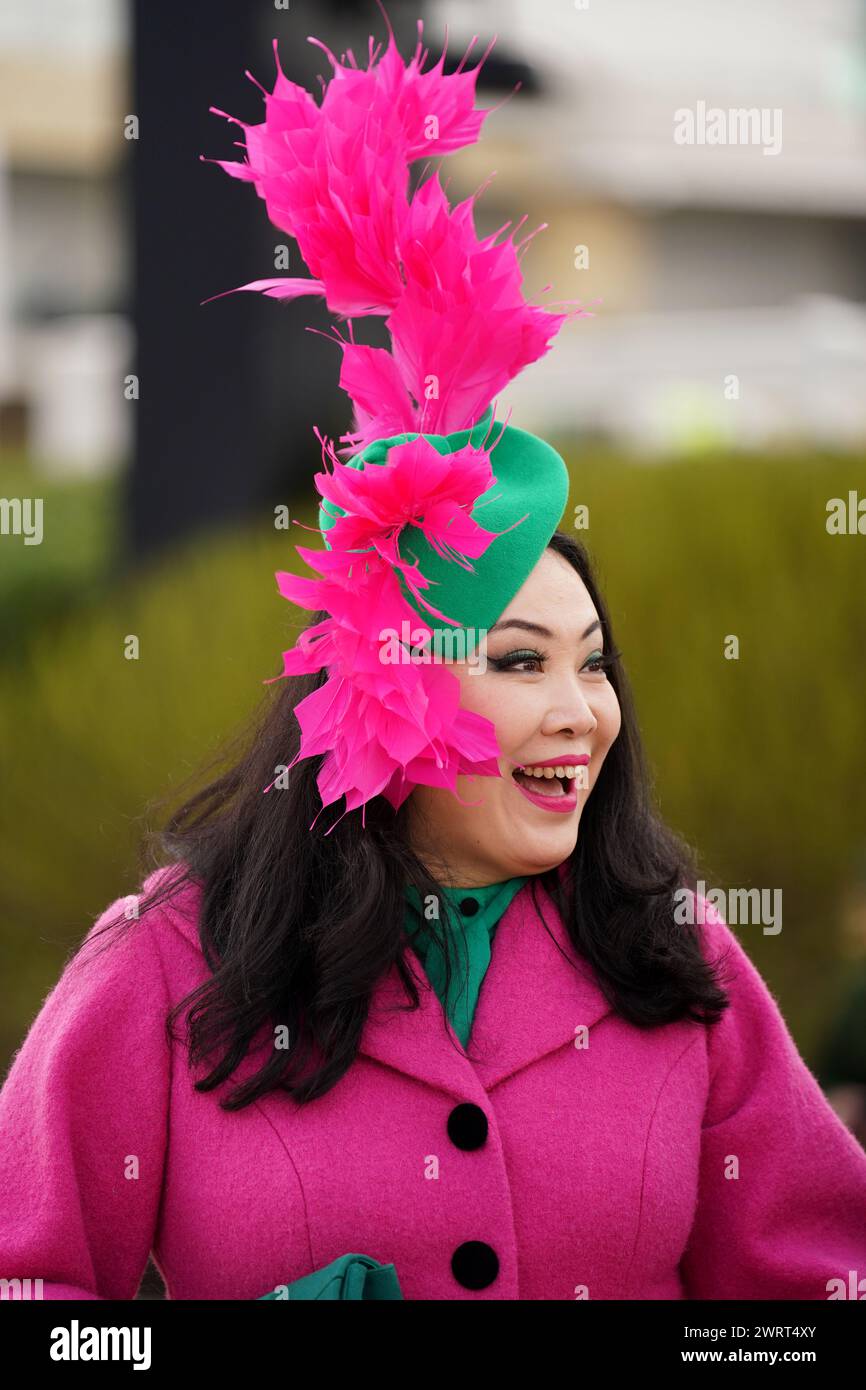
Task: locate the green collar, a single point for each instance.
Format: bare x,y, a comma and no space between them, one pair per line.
477,910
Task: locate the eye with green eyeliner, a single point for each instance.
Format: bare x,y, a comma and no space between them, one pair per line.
516,658
599,661
519,657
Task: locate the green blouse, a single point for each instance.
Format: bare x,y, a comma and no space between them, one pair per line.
477,910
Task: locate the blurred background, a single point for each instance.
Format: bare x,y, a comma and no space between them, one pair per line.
709,413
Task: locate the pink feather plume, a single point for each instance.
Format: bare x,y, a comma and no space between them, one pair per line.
335,176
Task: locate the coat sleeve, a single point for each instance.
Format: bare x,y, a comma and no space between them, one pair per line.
781,1209
83,1121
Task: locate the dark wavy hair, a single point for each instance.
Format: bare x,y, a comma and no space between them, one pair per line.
297,926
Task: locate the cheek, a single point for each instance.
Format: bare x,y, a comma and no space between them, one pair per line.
607,711
476,691
506,706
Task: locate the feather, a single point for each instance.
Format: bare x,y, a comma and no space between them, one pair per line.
385,725
335,176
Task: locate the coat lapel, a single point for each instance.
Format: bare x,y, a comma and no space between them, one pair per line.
536,993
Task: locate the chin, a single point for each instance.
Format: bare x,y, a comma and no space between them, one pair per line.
546,853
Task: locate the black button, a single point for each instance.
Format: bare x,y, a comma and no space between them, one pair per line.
469,906
467,1126
474,1264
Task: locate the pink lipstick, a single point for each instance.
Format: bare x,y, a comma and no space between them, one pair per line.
562,801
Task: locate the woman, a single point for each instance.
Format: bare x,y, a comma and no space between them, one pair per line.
598,1141
459,1042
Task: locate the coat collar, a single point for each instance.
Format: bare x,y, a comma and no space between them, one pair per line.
536,993
531,1001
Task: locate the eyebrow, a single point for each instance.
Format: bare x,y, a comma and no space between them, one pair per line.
537,628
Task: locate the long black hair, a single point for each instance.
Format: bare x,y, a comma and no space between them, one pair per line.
297,926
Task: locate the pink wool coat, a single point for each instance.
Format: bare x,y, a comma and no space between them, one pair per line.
674,1163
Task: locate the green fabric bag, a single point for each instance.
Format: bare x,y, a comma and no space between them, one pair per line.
349,1277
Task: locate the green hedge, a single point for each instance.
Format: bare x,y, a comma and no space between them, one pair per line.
42,583
759,761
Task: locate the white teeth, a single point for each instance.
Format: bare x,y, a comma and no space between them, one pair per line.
564,771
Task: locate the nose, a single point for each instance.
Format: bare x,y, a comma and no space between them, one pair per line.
570,713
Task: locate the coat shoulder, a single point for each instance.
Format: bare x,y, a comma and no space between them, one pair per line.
158,923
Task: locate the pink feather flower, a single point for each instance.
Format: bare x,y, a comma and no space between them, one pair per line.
384,724
417,486
389,715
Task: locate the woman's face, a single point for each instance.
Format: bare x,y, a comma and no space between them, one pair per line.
550,701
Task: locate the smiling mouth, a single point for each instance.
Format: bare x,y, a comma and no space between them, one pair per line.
545,786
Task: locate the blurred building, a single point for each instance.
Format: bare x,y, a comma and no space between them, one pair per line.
65,333
713,261
728,282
